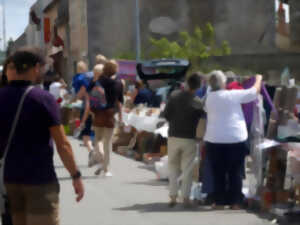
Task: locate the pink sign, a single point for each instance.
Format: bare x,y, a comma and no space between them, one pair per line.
127,69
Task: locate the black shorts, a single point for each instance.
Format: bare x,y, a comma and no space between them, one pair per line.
87,130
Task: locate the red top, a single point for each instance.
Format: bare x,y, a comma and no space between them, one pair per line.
234,86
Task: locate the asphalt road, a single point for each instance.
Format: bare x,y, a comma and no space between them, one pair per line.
132,196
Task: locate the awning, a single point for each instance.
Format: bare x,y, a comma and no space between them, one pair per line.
54,50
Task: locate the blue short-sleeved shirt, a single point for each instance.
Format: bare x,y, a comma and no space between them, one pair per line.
80,80
30,157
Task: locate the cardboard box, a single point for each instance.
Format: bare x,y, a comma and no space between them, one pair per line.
163,150
66,114
69,115
282,196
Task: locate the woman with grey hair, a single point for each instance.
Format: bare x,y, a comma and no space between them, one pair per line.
225,137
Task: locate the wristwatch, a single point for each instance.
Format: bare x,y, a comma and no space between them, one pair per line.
77,175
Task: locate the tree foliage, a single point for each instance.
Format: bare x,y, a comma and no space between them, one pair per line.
195,46
128,55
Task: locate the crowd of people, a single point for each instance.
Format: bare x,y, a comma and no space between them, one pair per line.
225,137
27,157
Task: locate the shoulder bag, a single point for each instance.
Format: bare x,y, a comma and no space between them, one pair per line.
10,137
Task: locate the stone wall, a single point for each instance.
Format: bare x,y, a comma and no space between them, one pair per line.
271,65
78,29
248,25
110,27
111,24
295,21
20,42
34,34
169,17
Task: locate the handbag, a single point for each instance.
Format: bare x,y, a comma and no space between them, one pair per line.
3,198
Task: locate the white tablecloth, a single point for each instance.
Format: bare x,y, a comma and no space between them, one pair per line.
142,122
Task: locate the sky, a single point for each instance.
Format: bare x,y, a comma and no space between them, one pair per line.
17,13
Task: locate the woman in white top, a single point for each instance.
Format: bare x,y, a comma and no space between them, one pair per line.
225,137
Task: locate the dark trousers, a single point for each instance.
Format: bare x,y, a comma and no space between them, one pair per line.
6,218
227,162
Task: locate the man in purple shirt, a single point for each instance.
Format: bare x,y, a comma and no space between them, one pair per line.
29,175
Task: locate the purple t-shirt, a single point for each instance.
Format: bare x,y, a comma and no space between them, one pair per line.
30,157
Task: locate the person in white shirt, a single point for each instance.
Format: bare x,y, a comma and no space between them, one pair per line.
56,88
225,137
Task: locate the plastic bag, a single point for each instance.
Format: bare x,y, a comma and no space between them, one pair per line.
161,168
196,192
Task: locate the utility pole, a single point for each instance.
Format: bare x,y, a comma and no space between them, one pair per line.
138,31
4,25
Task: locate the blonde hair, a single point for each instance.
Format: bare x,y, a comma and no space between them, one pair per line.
98,69
81,67
111,67
101,59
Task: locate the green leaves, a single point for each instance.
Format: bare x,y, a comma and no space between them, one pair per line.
196,47
200,44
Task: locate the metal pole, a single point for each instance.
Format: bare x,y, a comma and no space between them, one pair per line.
4,25
138,32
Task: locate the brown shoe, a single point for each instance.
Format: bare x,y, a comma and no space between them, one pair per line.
173,201
172,204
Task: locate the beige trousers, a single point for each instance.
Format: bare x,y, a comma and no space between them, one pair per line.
181,154
103,136
34,204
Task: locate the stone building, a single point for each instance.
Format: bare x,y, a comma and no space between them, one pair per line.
111,24
90,27
295,21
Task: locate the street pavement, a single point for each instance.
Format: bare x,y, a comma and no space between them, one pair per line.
133,196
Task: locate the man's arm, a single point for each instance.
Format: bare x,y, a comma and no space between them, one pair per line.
65,152
198,104
86,109
119,107
63,83
168,110
133,95
81,93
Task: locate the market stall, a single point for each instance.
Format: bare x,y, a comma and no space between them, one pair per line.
275,182
161,77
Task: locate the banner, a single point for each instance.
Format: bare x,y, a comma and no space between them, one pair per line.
47,30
